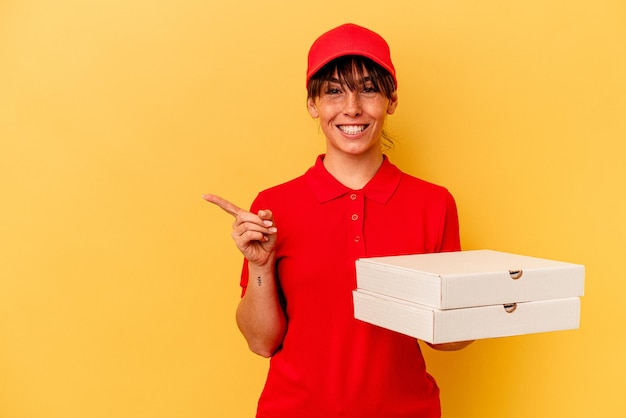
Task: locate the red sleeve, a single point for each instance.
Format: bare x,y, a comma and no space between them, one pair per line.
243,281
451,240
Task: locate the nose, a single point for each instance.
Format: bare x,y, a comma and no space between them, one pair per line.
352,106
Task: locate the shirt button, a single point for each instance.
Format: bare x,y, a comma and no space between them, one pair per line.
355,217
357,239
353,196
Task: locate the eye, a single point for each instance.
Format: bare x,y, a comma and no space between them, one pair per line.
369,88
332,90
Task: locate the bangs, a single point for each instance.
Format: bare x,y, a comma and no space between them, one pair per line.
350,71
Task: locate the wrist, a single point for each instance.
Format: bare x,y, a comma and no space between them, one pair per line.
265,269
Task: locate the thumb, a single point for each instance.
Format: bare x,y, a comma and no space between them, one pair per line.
266,214
267,217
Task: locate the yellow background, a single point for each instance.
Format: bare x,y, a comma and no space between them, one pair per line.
118,283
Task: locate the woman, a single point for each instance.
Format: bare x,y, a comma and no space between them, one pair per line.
300,241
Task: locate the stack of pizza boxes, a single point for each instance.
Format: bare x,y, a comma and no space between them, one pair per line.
468,295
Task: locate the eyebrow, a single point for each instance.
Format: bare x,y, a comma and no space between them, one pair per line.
363,80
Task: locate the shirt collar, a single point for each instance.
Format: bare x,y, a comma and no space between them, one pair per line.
380,188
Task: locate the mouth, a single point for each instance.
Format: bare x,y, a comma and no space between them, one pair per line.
352,129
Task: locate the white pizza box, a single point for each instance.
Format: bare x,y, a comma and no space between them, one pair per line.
441,326
464,279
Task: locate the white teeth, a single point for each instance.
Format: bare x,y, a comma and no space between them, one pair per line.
352,129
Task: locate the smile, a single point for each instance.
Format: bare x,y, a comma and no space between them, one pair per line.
352,129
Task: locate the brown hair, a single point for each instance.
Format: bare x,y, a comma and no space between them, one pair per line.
350,70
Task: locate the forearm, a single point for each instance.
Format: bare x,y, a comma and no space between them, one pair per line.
260,316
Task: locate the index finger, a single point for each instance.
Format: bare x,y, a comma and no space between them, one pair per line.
224,204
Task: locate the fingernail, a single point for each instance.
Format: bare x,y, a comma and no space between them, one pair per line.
268,223
273,230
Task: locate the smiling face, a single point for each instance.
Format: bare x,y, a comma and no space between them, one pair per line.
352,107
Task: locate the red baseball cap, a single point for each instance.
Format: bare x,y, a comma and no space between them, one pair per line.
349,39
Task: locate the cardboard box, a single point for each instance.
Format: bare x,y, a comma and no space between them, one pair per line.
442,326
469,278
468,295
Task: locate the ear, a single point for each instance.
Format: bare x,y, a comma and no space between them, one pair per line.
393,103
312,108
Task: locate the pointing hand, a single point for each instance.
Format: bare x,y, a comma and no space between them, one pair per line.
254,235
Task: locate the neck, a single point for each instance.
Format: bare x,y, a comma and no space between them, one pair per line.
353,171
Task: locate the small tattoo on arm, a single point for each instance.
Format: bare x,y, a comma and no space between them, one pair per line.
258,280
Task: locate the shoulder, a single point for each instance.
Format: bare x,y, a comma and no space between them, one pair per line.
392,174
423,196
419,187
281,193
